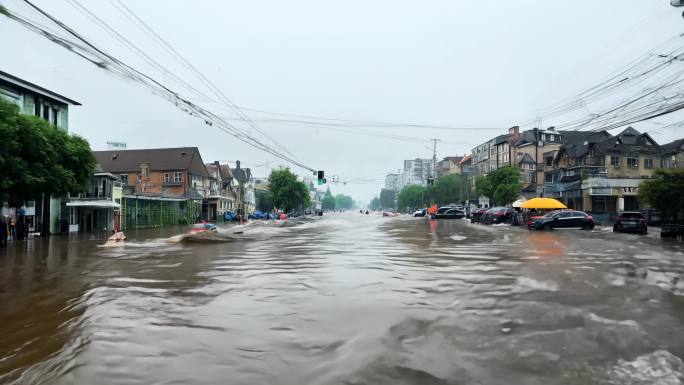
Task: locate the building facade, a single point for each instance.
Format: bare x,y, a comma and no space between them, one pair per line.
417,171
47,212
393,182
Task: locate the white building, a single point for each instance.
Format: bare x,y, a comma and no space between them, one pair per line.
393,182
417,171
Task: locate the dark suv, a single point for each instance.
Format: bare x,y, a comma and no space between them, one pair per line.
631,221
563,219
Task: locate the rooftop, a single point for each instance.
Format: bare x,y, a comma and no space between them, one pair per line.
21,83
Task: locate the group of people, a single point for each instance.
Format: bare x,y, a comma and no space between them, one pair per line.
8,229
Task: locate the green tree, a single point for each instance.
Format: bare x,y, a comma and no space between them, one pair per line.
264,201
374,204
37,158
287,193
502,186
343,202
328,202
387,198
665,193
483,187
447,189
411,197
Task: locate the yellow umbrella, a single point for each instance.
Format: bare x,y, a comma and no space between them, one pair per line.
543,203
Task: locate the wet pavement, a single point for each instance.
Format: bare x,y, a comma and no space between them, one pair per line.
345,299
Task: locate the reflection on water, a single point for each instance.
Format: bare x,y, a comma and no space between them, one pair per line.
355,299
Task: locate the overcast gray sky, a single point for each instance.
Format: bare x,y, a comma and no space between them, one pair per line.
481,64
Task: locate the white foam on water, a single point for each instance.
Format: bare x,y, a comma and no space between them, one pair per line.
526,284
457,237
597,318
658,368
614,279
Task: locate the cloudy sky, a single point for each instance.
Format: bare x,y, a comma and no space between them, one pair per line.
473,68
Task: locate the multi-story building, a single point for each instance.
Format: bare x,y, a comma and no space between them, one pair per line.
673,154
602,173
245,185
222,195
449,165
393,182
164,172
35,100
417,171
531,152
97,208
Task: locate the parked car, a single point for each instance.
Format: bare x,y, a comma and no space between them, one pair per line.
497,215
630,221
477,214
563,219
419,213
448,212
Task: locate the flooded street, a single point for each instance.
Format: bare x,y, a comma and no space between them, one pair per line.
346,299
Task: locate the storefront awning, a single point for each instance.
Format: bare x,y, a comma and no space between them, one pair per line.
95,204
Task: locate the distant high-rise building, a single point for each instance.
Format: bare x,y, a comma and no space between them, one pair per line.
393,182
417,171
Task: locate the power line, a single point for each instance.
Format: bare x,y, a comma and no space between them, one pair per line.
114,65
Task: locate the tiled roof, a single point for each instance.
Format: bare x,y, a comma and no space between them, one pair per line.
160,159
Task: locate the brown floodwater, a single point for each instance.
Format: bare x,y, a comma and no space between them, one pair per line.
344,299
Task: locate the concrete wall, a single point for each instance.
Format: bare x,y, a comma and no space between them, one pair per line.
624,171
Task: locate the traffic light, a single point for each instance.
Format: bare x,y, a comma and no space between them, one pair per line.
321,175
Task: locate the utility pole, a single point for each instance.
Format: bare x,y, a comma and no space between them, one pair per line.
434,157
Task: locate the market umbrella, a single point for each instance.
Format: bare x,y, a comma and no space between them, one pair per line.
543,203
518,203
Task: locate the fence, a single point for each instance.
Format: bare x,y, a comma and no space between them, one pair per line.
145,212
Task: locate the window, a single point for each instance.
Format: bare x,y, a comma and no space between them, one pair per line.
177,177
549,161
166,177
55,114
648,163
552,138
46,112
633,162
124,179
548,178
533,178
615,161
144,171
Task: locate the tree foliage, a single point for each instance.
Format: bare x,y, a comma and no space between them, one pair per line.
264,201
665,193
387,198
328,202
344,202
374,204
36,157
447,189
502,186
411,197
287,193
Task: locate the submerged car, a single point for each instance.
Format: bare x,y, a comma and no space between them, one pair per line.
631,222
497,215
419,213
203,228
449,212
563,219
